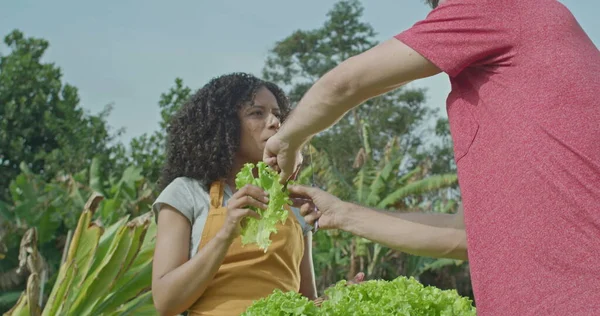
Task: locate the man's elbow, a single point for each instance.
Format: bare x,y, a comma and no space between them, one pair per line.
458,247
459,218
342,83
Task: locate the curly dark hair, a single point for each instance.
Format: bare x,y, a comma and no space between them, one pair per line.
204,135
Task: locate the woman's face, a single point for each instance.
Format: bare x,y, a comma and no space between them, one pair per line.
259,121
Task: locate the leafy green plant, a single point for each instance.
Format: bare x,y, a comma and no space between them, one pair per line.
106,271
53,209
401,296
259,230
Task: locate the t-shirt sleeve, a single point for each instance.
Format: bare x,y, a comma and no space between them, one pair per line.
461,33
178,195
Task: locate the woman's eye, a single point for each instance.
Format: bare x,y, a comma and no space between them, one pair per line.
256,113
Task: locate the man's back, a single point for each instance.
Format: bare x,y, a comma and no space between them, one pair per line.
525,120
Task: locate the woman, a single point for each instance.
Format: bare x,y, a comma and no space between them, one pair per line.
199,262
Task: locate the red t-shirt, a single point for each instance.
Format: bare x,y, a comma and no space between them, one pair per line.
524,113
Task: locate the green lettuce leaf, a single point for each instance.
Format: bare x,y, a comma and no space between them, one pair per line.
280,303
259,230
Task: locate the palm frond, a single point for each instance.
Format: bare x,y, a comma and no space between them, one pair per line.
418,187
380,183
365,175
405,178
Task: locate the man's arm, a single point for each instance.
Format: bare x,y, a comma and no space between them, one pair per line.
384,67
434,219
400,232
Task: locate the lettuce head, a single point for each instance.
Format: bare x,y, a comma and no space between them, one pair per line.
400,297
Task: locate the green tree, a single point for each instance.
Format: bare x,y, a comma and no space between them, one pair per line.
300,59
148,150
42,123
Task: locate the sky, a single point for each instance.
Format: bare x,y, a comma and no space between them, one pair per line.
127,53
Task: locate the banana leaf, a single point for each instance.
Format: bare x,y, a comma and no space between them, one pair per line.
418,187
106,271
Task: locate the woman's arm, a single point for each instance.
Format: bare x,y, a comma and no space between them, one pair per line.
308,286
176,281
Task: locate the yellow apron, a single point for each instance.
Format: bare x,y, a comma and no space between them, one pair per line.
247,272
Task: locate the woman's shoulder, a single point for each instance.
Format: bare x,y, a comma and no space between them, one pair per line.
190,184
187,195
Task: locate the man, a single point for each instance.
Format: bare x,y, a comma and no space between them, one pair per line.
524,114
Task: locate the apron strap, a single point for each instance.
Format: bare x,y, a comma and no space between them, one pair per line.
216,194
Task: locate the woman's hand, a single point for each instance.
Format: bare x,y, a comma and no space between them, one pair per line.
238,208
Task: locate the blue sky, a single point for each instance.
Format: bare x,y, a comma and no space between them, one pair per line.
129,52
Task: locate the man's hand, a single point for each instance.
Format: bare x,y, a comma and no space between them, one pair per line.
316,204
282,157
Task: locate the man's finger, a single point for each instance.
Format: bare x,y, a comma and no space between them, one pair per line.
271,161
302,190
311,218
299,197
298,202
284,177
307,208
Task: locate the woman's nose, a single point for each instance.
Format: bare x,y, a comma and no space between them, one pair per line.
274,121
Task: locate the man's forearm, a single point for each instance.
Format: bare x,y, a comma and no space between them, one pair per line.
324,104
403,235
432,219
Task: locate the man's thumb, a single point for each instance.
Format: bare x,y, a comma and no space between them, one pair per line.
284,177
